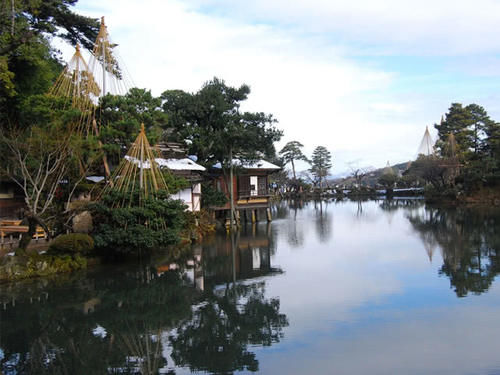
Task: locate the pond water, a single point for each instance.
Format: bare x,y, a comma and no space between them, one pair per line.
378,287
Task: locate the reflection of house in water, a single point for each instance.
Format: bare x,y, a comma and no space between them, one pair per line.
217,263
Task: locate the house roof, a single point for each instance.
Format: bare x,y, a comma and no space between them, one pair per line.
95,179
173,164
180,164
259,164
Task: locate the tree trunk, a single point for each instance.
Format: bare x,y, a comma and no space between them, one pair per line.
12,17
231,187
26,237
33,222
293,170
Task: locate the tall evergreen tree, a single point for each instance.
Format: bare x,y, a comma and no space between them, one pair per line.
216,130
480,121
457,122
321,162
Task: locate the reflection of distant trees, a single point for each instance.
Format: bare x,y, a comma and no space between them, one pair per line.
323,221
469,241
289,210
280,209
295,230
390,205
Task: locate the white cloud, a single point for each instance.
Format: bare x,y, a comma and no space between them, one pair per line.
319,96
423,27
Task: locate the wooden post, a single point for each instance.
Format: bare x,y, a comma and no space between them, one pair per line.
231,187
269,217
254,217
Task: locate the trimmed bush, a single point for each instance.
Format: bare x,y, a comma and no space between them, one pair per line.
73,243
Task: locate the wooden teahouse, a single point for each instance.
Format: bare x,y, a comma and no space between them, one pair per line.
251,189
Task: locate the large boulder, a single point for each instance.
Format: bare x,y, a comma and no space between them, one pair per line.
82,223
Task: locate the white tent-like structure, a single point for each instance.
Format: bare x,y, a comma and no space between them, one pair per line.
426,145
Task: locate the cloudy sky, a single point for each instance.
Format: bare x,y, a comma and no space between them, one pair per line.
362,78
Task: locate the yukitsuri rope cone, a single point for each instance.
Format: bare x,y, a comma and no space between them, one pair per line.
426,145
77,84
84,83
105,66
138,171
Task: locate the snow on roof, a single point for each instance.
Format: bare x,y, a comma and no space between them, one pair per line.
259,164
95,179
173,164
180,164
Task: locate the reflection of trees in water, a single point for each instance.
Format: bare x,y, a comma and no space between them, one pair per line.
56,336
290,209
469,242
216,339
138,313
359,206
295,230
280,209
323,221
391,206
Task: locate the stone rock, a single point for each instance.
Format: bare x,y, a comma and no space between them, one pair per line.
82,223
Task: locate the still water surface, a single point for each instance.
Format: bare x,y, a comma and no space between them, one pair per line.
378,287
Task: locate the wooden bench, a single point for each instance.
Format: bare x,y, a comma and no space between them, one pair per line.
14,226
4,223
9,230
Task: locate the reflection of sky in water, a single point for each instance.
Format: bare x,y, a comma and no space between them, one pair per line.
358,294
368,300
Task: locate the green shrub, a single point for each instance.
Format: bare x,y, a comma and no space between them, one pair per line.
72,243
36,265
125,226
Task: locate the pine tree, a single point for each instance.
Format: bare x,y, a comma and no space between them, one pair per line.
321,162
291,152
457,122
